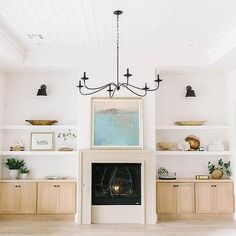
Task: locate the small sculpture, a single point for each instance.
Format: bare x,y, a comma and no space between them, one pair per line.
183,145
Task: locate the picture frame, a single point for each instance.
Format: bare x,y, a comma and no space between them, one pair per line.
116,123
42,141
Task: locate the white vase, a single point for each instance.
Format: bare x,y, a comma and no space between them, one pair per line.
23,175
13,174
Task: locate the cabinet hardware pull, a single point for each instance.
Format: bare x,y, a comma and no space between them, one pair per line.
174,185
177,185
58,185
54,186
16,186
19,186
212,185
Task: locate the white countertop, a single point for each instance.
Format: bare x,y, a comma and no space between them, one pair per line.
36,180
192,180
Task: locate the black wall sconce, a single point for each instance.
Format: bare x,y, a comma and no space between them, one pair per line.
190,92
42,90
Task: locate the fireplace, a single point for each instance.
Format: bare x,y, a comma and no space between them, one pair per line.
116,184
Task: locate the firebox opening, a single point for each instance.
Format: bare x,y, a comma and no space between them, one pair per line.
116,184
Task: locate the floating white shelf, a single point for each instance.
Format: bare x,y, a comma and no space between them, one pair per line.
38,153
200,127
192,153
37,127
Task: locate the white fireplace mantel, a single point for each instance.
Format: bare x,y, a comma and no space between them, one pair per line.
143,214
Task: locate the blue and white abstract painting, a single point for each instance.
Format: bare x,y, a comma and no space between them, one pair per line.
116,123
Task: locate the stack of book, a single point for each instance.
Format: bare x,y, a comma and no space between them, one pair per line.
216,146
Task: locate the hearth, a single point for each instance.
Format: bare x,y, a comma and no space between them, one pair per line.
116,184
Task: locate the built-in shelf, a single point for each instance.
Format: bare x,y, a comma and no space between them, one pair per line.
192,153
200,127
38,153
37,127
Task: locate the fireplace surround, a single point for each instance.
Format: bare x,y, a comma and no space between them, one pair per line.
144,212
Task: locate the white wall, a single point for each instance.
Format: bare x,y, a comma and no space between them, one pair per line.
208,105
2,106
60,104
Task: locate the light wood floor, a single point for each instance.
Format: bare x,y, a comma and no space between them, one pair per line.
180,228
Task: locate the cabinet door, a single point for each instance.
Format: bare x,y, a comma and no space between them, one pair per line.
27,198
9,198
185,198
166,198
224,197
204,198
67,198
48,200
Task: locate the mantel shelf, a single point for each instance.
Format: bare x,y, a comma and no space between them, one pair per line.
192,153
199,127
38,153
37,127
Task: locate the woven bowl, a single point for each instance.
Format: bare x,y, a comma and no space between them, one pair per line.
190,122
41,122
165,145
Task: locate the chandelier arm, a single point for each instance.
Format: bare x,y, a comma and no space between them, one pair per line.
98,90
95,88
130,85
152,90
137,93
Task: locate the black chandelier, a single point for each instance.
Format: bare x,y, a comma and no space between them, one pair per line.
112,87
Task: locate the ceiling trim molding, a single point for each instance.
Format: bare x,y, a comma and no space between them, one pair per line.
224,46
11,47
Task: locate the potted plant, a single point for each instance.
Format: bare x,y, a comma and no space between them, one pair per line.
13,165
218,170
24,172
67,138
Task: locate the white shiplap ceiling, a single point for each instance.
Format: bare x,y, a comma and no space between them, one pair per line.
145,24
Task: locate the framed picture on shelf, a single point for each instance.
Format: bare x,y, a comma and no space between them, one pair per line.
117,123
42,141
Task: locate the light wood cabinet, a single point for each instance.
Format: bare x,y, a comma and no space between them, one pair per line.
214,197
56,197
18,198
175,198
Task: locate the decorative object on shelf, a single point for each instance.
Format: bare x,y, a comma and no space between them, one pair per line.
55,177
190,92
13,165
202,177
216,146
41,122
24,172
218,170
42,141
117,123
165,174
193,141
42,91
201,149
67,138
112,87
18,146
165,145
190,122
183,146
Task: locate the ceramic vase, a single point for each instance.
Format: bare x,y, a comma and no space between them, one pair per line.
13,174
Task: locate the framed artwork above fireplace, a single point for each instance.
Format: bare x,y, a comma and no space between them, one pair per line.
117,123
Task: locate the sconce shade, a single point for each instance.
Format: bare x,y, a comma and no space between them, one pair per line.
190,92
42,90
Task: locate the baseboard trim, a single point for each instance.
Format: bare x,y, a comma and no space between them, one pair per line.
70,217
164,217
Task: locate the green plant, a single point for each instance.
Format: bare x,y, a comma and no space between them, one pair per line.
14,163
66,135
221,165
24,170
